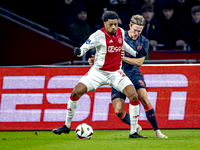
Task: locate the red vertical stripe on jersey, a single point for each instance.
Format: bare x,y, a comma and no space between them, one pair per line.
114,46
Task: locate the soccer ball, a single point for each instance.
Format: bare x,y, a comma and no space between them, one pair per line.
84,131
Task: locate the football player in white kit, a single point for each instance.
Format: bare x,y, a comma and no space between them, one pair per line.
108,41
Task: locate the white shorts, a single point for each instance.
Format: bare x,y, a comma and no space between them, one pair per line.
95,78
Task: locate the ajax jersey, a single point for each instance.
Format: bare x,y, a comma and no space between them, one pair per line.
108,49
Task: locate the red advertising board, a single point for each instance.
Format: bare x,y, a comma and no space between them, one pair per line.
36,98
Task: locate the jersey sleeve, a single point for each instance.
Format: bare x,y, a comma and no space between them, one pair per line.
144,50
128,49
92,41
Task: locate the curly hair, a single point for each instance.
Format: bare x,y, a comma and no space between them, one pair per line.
109,15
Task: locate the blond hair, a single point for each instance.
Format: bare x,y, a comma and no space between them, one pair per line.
138,19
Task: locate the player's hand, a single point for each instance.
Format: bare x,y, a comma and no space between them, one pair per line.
77,51
122,54
91,60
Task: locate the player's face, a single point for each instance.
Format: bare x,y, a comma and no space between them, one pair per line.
111,26
135,31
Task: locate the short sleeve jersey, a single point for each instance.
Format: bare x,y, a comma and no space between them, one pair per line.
138,44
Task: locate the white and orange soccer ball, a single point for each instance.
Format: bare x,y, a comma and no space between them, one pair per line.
84,131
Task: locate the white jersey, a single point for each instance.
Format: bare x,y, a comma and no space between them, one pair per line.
108,49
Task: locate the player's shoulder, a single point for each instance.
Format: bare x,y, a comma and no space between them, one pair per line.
144,39
97,34
121,29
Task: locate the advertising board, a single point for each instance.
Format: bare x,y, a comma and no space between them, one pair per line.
36,98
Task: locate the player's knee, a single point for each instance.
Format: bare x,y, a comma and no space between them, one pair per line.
76,93
79,90
134,97
119,112
144,101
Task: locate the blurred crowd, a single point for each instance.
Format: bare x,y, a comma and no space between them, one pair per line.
170,23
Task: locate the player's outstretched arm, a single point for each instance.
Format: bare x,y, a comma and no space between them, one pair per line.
127,48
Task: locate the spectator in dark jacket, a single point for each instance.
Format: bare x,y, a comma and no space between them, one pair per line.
169,27
182,9
152,28
191,30
63,15
125,10
80,30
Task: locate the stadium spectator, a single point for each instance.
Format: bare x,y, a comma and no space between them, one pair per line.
64,15
194,2
152,28
191,29
100,24
94,9
156,4
125,9
169,27
182,9
80,30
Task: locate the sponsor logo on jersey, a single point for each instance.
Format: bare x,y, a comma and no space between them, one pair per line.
112,49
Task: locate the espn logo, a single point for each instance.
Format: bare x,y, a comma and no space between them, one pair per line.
35,99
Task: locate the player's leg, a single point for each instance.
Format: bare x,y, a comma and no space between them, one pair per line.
150,113
130,92
87,83
123,84
118,100
77,92
118,105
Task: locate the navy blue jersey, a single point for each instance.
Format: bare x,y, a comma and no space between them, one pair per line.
132,71
140,43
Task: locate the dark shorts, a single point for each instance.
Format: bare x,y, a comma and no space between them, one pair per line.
138,82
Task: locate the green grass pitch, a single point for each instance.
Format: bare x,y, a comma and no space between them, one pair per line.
183,139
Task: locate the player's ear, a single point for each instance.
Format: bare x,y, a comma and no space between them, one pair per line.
104,23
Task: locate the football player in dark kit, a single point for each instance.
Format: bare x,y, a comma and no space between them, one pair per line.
130,66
